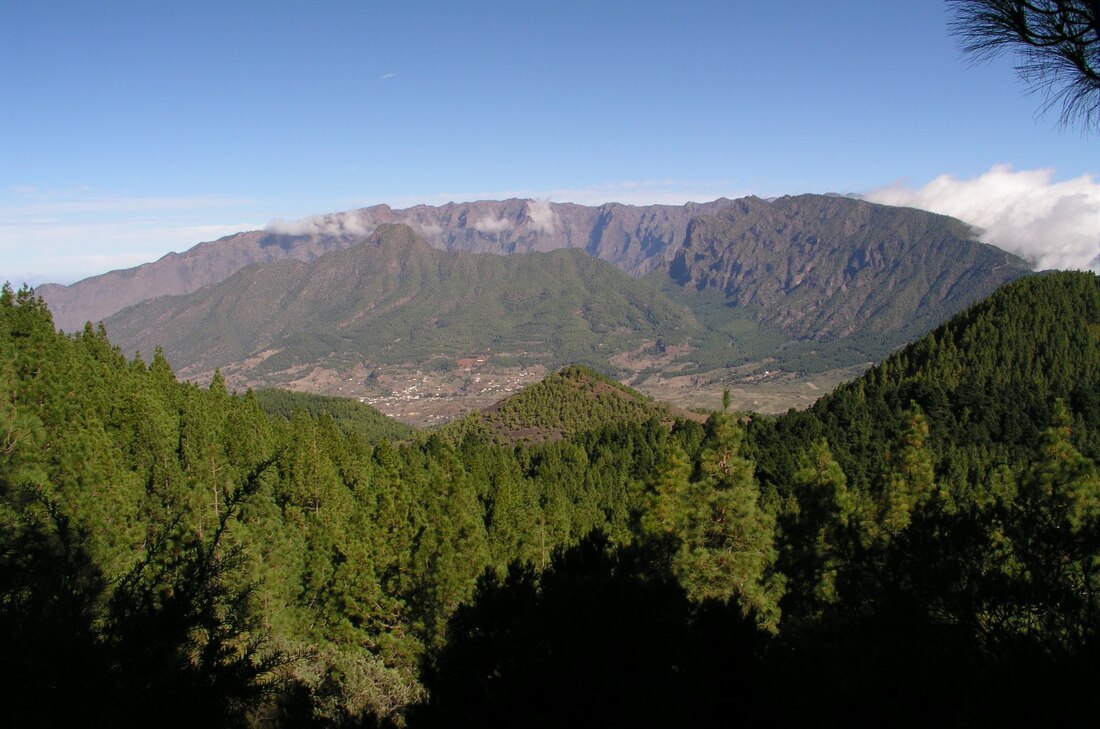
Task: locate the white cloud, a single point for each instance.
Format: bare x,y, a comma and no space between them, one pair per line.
492,226
542,216
1051,224
348,225
430,231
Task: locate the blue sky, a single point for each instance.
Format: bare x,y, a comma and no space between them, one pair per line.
130,129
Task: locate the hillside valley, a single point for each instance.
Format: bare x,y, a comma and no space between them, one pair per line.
775,301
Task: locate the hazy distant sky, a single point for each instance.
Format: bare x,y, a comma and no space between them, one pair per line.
130,129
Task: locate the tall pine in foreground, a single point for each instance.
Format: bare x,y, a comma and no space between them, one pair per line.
722,537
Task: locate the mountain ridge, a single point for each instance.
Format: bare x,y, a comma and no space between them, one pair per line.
819,267
628,236
637,239
395,315
396,294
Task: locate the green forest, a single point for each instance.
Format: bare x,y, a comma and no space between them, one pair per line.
921,546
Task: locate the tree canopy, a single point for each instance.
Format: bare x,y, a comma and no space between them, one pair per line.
920,546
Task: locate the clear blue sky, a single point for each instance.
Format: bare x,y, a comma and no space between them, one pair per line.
129,129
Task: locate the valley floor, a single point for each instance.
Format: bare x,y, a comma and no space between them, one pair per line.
427,397
767,391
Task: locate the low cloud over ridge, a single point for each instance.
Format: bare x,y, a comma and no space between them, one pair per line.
1051,224
542,216
339,224
492,226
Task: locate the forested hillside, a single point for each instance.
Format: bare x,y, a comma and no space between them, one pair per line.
822,267
351,416
920,547
569,402
393,299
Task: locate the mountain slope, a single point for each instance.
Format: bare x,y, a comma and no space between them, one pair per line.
987,383
822,267
96,298
396,300
778,246
757,291
633,238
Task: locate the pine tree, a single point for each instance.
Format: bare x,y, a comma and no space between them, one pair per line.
1056,535
820,530
725,540
911,478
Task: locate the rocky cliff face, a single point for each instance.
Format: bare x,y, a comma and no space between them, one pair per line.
815,265
824,266
636,239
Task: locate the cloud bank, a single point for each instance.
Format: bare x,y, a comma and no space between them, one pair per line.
335,224
1051,224
430,231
